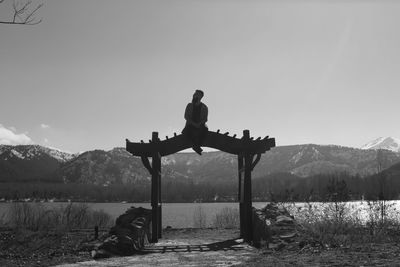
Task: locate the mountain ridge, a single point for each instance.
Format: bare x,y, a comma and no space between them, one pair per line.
117,166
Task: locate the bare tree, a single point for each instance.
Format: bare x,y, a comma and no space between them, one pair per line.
23,13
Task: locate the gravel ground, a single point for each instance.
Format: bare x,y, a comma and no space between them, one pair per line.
187,247
26,248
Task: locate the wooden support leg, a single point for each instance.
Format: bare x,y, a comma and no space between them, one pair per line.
159,221
240,195
154,213
155,188
159,204
248,205
247,198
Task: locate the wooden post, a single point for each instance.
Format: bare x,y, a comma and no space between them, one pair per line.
240,195
247,198
159,204
156,167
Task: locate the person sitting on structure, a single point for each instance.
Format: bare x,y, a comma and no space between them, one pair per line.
196,114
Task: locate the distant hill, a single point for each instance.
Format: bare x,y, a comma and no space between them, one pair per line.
100,167
30,162
117,166
393,171
308,160
300,160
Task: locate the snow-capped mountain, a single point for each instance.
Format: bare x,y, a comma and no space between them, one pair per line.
31,151
388,143
30,162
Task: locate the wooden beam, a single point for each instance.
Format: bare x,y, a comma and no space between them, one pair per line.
215,140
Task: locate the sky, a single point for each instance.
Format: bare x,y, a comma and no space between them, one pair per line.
95,72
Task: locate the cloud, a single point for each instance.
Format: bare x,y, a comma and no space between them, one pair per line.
44,126
9,137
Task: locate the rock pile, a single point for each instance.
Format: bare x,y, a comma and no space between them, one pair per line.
129,235
273,226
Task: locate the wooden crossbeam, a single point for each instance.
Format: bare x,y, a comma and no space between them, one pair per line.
215,140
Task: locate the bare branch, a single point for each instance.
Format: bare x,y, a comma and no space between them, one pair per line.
22,14
29,19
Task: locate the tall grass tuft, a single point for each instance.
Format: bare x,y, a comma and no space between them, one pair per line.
227,218
199,217
36,217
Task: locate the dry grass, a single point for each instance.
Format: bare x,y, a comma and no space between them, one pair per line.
339,224
36,217
199,217
227,218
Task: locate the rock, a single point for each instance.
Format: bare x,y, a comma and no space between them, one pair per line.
288,236
283,219
129,235
274,226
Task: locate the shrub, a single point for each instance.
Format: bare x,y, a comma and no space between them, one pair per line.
329,224
383,219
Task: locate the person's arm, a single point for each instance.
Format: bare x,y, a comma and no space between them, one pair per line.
188,115
204,115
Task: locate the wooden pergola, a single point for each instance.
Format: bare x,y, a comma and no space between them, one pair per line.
246,148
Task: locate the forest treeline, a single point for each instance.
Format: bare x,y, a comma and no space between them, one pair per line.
274,187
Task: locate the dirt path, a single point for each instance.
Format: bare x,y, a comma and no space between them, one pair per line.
186,247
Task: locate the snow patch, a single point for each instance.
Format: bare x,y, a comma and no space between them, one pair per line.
17,154
389,143
297,157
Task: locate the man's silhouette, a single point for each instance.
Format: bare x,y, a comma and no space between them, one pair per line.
196,114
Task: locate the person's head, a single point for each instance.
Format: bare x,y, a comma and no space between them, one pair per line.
197,96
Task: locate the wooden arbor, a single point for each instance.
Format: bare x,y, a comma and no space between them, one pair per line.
246,148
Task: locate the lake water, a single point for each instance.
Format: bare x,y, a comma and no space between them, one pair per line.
180,215
176,215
